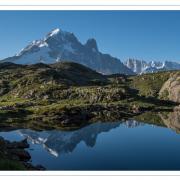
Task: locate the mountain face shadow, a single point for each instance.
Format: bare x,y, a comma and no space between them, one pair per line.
60,142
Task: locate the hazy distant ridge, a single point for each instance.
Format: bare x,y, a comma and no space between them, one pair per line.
141,66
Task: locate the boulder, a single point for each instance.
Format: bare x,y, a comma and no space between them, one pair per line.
171,89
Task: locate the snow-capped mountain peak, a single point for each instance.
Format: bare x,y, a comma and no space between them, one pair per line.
57,34
140,67
54,32
60,45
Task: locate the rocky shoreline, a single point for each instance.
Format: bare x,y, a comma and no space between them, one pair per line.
15,157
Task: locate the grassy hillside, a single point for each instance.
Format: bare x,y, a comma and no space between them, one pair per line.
70,95
150,84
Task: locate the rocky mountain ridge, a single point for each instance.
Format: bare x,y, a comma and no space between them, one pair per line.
60,45
142,67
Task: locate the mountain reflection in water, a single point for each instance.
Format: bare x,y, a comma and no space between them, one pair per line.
151,141
58,142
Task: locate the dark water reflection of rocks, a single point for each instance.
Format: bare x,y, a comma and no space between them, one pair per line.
172,119
60,142
169,118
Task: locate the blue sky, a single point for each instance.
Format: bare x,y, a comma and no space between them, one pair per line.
148,35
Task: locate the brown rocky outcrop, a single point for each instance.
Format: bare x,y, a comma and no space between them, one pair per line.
171,88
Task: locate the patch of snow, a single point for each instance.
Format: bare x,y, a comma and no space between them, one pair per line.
51,151
37,43
54,32
58,59
153,64
35,57
43,44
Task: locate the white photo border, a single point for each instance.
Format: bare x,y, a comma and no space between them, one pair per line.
43,174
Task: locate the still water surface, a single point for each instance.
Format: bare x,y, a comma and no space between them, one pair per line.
103,146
